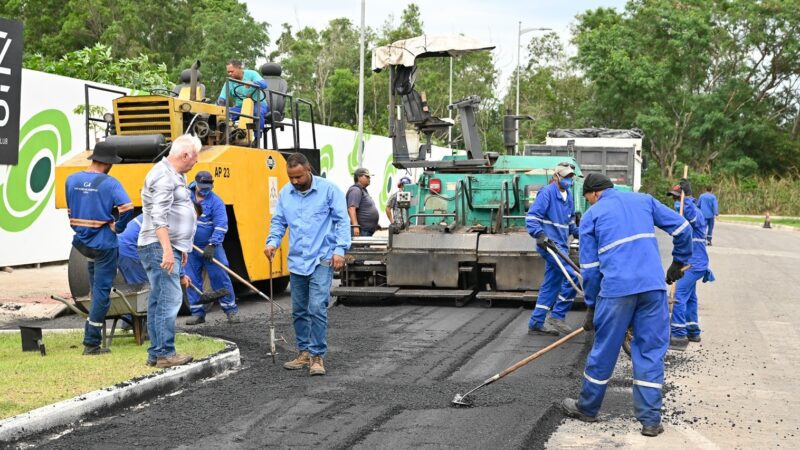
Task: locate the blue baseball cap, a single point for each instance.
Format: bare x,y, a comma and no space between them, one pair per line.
404,180
204,179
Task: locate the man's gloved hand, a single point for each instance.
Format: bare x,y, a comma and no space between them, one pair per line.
674,273
542,239
208,252
588,322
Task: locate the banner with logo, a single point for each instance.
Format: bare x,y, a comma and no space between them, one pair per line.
10,85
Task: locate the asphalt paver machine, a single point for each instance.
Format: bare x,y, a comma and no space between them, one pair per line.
463,235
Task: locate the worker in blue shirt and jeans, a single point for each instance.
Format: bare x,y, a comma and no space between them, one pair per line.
624,286
315,212
91,197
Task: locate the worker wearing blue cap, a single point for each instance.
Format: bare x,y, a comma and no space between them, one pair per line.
211,228
393,212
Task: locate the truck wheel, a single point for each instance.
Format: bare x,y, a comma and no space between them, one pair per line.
78,276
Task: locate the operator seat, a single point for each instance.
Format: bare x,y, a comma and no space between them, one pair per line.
183,90
415,104
271,73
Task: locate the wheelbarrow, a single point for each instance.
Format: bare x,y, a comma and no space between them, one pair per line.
124,300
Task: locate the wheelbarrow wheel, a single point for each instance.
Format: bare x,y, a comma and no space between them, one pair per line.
78,276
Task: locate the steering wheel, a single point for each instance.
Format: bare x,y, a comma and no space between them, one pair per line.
257,95
163,92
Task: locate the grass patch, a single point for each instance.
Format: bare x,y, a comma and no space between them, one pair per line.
760,220
29,381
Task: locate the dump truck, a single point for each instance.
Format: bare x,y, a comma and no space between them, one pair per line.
248,172
463,235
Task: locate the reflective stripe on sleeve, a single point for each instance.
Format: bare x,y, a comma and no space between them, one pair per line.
559,225
647,384
124,208
680,228
590,265
699,240
594,380
628,239
221,228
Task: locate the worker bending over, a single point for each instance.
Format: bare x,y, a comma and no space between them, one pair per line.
624,287
551,219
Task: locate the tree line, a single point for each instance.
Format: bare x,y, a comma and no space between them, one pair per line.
713,83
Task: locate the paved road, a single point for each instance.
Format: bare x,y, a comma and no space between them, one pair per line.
393,371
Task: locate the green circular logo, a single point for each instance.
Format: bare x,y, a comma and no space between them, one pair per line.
27,187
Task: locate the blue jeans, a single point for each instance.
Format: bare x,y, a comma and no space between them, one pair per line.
102,271
310,294
554,287
684,311
165,300
218,277
648,313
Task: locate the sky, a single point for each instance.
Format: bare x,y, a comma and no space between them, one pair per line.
492,21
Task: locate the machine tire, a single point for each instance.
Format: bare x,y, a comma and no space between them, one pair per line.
78,276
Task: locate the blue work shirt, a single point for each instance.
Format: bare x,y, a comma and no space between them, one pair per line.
708,205
319,226
692,213
237,90
213,222
128,239
619,252
552,214
91,198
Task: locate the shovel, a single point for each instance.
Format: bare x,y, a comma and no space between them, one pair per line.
461,400
209,297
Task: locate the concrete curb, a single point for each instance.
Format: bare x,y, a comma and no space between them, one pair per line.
124,394
775,226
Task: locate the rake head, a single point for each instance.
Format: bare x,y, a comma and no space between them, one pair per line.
462,401
211,297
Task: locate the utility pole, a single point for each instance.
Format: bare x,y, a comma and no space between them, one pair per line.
520,32
361,91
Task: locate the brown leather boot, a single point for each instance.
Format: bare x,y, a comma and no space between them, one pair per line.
317,367
301,362
170,361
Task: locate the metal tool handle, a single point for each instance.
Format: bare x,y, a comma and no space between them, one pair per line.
564,271
241,280
566,258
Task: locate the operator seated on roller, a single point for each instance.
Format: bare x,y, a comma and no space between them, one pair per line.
211,228
238,92
623,282
91,197
551,219
685,325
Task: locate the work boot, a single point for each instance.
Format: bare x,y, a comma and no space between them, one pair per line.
317,367
542,331
164,362
693,338
94,350
196,320
570,407
652,430
233,318
559,325
301,362
708,243
150,362
678,343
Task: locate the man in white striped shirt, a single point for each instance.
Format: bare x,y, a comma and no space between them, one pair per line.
164,244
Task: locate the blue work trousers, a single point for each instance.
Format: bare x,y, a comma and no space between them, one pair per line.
216,275
310,294
132,270
684,310
709,227
102,270
648,314
556,294
164,302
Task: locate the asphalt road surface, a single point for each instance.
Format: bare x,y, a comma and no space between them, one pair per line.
393,371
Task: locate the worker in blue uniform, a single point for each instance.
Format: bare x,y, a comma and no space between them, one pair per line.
685,326
624,287
551,218
211,228
710,207
130,266
92,195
